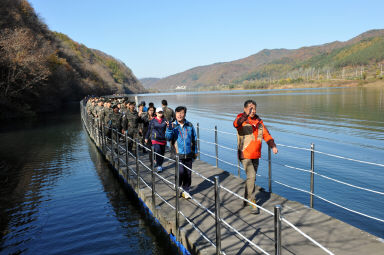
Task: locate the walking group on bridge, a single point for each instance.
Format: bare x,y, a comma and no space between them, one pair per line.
153,126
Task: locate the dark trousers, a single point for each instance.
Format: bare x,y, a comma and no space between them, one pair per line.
160,149
131,142
185,179
149,145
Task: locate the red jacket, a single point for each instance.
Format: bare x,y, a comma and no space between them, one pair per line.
250,132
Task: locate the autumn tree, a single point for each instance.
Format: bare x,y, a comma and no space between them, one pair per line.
23,61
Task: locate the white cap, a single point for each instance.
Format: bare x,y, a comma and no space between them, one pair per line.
159,109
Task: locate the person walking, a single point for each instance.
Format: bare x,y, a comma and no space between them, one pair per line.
169,115
250,132
115,124
183,135
146,118
156,131
131,125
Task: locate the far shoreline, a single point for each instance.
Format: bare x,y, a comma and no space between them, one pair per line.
328,84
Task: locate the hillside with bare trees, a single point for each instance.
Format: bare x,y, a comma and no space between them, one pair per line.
41,69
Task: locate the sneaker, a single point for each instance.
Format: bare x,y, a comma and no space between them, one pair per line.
159,169
254,208
186,195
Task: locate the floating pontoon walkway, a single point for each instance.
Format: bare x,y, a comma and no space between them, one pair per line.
241,231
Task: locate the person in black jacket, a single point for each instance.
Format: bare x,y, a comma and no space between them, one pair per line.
146,118
156,132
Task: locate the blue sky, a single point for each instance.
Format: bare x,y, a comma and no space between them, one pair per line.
161,38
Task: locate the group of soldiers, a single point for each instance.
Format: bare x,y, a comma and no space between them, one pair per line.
122,114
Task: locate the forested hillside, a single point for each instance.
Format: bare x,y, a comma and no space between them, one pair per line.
41,69
360,58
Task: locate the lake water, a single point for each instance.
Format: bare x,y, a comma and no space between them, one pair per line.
58,195
348,122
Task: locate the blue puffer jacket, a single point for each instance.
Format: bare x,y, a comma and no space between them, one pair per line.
156,130
184,138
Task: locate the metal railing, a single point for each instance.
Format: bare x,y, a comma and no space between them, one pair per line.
311,171
117,145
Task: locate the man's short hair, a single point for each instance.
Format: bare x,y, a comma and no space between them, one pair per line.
248,102
164,102
152,107
181,108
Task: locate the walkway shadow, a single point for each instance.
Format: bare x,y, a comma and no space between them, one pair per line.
246,244
206,184
262,196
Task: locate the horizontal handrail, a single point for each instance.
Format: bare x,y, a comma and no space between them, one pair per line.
306,149
330,178
295,147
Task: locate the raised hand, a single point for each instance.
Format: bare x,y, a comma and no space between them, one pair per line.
250,111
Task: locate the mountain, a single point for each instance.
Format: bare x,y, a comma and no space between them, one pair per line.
283,65
41,69
148,82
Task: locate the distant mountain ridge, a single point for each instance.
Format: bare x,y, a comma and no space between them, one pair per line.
363,49
148,82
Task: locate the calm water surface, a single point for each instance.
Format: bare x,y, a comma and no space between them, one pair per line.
345,121
57,195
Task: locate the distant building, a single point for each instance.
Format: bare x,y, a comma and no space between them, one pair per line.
181,88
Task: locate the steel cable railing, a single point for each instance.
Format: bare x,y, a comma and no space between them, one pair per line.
260,207
304,170
311,193
90,131
330,178
95,130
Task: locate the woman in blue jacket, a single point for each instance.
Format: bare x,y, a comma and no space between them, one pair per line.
156,133
183,135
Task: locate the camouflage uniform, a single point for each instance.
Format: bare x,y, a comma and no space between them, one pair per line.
93,110
92,113
88,106
116,121
131,126
105,116
98,113
169,114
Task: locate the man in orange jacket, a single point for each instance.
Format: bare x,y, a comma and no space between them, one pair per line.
250,132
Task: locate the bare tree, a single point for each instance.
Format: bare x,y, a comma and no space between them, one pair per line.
23,61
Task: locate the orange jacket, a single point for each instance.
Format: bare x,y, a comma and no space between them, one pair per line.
250,132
